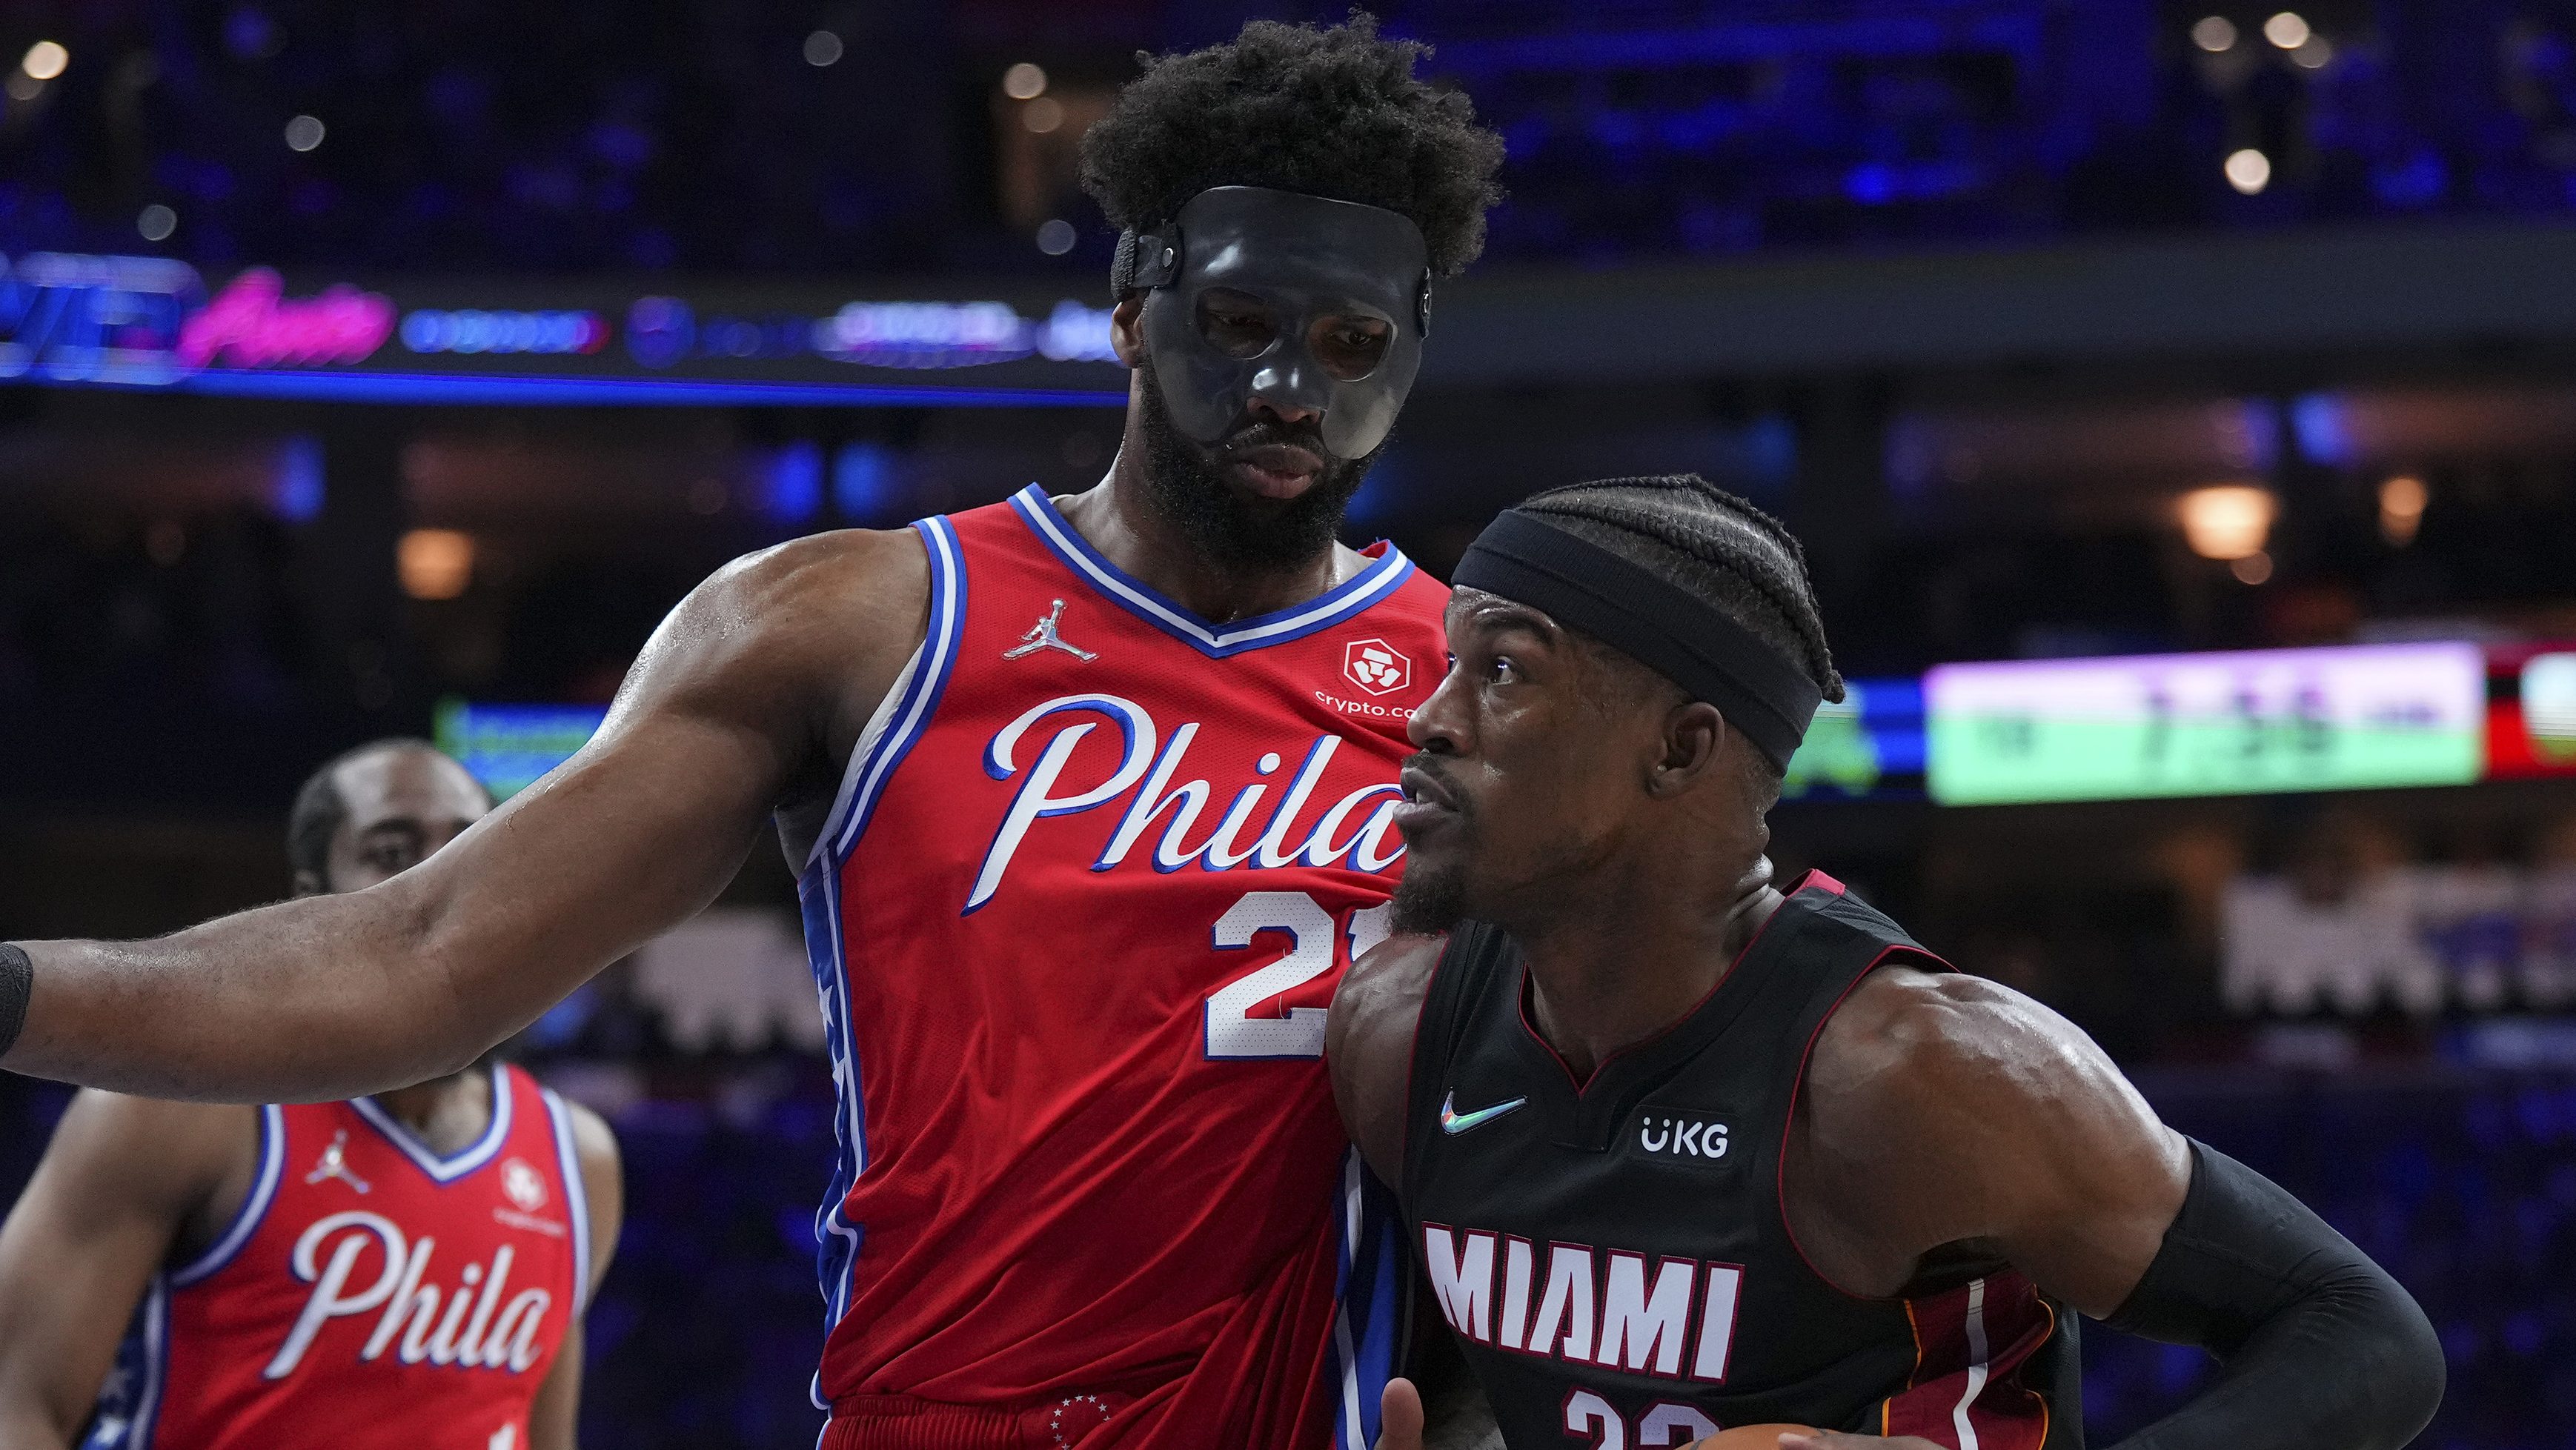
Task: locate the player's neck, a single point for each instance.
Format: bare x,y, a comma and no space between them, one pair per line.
1117,517
1633,954
448,1113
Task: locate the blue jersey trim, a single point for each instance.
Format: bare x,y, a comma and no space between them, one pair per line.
1350,597
156,1366
445,1170
576,1198
917,695
1367,1236
254,1205
881,748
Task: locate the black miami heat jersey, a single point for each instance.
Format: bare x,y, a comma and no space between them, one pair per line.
1612,1254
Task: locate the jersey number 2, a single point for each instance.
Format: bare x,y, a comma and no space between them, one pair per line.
1232,1030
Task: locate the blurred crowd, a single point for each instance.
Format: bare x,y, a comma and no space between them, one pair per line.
2362,919
467,136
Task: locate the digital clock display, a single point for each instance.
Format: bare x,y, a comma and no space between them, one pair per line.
2353,718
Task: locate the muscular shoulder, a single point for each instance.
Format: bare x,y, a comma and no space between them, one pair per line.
795,643
818,586
152,1152
1941,1107
1368,1043
1932,1056
1904,1030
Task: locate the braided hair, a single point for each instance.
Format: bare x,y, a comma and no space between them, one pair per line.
1713,543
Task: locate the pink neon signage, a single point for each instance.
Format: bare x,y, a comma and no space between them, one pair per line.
252,324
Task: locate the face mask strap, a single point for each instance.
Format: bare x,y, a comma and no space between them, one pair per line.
1147,260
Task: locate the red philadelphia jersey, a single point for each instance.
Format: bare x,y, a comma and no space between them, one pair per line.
369,1291
1094,872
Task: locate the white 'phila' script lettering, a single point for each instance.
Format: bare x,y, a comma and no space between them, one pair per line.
469,1335
1360,825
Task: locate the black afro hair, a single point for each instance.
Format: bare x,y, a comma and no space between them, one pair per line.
1330,112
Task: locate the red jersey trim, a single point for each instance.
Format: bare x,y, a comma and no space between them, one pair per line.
1382,578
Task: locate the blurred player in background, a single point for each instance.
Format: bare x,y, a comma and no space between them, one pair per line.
1688,1153
405,1269
1092,804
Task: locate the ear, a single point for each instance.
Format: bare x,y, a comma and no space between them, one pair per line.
1693,735
1127,329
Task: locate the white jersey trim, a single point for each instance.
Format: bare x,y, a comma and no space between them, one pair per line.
446,1170
907,705
254,1206
576,1198
1341,602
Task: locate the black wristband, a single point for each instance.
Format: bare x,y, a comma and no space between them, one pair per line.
17,984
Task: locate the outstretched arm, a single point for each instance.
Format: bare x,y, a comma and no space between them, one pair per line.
1942,1109
743,692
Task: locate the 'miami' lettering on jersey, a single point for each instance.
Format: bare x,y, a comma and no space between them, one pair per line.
1590,1306
469,1335
1361,825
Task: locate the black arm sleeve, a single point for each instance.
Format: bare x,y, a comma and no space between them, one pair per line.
2322,1350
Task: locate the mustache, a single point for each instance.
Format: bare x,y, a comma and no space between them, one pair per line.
1270,432
1435,767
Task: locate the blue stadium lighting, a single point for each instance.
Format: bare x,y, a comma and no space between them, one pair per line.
299,493
460,389
2322,423
795,482
472,330
864,486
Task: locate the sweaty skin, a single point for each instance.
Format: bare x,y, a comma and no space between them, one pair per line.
130,1184
1937,1108
747,701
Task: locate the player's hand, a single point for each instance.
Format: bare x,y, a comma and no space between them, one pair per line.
1399,1410
1837,1440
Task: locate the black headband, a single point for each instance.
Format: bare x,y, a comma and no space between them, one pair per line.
1662,625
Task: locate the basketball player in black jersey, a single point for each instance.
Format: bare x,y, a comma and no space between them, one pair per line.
1685,1151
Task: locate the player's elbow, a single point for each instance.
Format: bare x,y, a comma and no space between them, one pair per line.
2412,1373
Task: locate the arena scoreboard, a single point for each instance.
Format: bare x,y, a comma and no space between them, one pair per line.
2351,718
508,747
2360,717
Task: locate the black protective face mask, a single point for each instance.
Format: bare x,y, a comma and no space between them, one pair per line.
1184,480
1315,306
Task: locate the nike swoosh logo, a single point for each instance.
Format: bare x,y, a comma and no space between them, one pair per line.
1454,1122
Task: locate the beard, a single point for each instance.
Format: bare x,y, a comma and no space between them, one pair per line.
1186,486
1430,901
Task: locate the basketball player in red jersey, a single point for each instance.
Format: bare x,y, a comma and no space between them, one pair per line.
319,1275
1091,799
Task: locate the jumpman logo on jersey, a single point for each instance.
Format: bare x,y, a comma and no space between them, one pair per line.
1042,635
335,1164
